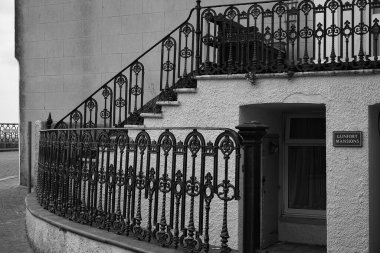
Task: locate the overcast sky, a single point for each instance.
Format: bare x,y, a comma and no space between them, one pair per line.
9,105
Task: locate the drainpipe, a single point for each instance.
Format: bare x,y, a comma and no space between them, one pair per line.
252,134
29,183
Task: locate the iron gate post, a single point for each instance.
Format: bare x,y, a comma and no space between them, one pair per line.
252,134
198,37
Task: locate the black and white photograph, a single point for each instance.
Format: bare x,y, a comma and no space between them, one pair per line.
190,126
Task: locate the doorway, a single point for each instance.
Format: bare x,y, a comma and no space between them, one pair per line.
293,183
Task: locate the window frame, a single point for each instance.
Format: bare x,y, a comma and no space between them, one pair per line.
288,142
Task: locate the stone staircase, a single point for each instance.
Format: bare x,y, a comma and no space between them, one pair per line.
151,117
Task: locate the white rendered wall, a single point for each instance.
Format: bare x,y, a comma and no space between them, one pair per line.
45,237
346,97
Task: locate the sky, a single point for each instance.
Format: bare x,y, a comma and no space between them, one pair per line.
9,70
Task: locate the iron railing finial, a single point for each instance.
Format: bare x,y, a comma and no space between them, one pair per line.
49,121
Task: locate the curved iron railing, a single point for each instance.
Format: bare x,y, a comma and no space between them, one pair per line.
260,37
174,193
8,135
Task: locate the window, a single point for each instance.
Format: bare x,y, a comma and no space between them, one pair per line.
305,166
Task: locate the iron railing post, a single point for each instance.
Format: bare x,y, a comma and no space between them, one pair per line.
198,38
252,134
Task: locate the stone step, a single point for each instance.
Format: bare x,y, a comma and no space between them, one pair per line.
186,90
151,115
168,103
134,126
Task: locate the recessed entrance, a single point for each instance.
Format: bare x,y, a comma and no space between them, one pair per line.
293,169
374,176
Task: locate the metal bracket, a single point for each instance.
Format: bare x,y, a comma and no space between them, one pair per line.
290,74
251,77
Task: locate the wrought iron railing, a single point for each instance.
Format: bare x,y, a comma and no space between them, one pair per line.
289,36
166,65
260,37
8,136
180,194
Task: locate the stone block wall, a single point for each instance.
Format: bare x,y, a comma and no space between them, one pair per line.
69,48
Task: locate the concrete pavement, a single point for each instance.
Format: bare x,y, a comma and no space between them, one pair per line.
12,206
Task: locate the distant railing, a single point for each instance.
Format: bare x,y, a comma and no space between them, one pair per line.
178,194
8,136
260,37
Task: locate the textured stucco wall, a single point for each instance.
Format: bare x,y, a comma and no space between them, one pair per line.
346,98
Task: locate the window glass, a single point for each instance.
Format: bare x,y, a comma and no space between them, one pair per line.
307,128
307,177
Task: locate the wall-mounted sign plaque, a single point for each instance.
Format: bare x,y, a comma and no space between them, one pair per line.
347,139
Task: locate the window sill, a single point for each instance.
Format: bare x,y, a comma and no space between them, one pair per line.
303,220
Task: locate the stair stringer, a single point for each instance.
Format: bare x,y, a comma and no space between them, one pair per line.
196,109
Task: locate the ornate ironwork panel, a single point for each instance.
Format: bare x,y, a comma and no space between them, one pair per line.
125,182
277,36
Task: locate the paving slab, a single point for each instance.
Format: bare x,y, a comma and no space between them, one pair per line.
9,164
12,207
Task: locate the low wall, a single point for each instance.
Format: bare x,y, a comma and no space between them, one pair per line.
48,232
